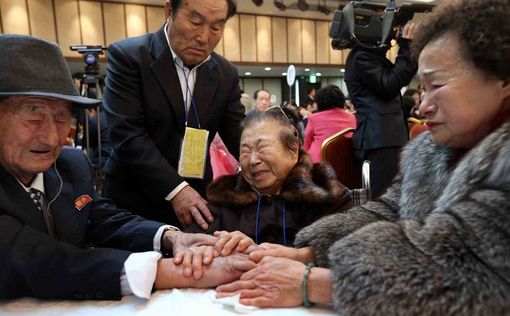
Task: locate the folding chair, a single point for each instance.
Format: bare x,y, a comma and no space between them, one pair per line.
337,150
360,196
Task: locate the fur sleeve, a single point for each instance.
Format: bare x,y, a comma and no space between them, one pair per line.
327,230
455,263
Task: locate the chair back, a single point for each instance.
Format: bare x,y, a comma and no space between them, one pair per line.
337,150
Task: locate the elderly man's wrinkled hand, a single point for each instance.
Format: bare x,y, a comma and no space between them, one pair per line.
230,242
188,205
186,244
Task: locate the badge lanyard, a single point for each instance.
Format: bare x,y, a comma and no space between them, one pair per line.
188,93
193,152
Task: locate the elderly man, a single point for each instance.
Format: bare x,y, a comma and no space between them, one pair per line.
262,100
58,239
162,89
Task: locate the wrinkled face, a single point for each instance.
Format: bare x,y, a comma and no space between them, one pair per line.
32,133
265,162
196,28
262,102
460,102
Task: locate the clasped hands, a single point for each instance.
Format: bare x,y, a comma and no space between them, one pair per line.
264,275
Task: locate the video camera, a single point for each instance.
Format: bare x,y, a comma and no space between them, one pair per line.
369,24
90,56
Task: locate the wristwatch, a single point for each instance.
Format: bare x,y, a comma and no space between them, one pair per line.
167,251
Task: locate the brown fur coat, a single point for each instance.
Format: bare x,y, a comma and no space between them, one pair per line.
310,192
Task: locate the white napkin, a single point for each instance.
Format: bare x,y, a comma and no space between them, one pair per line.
233,301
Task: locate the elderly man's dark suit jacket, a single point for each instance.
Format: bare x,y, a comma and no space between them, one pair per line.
34,264
145,113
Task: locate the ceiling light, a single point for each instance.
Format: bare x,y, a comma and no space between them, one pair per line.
284,73
267,68
307,69
258,3
247,73
318,74
302,5
280,5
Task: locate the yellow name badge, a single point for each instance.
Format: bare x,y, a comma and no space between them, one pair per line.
193,153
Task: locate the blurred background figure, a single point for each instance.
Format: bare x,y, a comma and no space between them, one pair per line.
262,99
310,102
330,119
411,102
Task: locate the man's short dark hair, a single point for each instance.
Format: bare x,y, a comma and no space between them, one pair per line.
329,97
256,93
232,7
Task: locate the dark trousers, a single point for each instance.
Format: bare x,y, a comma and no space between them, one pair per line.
384,164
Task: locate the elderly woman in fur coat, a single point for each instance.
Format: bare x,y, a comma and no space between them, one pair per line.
438,241
278,191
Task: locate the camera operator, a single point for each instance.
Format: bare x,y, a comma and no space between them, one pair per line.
374,84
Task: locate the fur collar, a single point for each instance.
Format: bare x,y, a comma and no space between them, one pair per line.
307,183
431,172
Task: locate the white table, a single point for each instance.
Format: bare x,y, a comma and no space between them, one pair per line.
188,302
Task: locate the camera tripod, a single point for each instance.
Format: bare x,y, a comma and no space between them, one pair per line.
92,86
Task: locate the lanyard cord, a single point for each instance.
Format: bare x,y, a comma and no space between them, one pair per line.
284,221
188,93
257,220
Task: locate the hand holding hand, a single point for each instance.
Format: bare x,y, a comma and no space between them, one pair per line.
303,255
193,251
194,260
275,282
223,270
229,242
189,205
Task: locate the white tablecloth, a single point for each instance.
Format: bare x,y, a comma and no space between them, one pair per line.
189,302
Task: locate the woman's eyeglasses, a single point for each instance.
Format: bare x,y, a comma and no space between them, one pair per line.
279,110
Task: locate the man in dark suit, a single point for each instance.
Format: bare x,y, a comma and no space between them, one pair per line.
159,85
374,84
58,239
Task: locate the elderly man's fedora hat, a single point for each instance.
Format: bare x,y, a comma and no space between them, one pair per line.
31,66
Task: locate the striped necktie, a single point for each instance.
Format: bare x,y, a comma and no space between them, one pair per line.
36,196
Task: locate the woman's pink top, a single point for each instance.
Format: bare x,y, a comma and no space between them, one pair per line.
323,124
